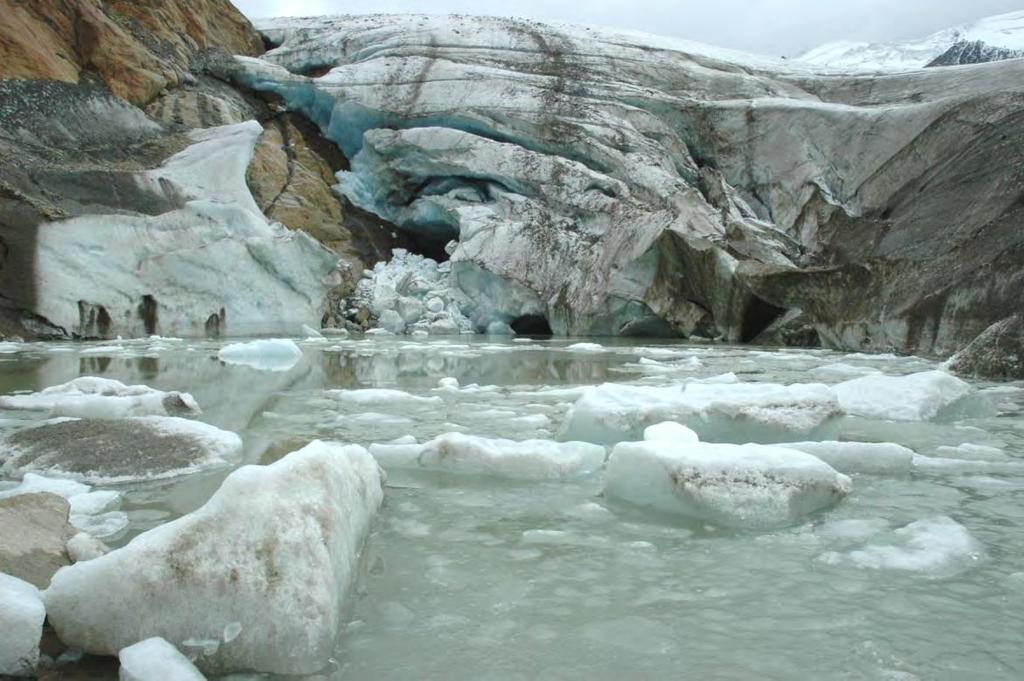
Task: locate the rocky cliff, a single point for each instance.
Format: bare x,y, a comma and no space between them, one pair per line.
140,195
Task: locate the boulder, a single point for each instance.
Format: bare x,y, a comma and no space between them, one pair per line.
261,570
35,532
997,353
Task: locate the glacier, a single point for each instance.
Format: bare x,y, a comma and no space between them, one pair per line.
595,182
211,265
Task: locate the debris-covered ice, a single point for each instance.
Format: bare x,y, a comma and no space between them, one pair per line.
274,549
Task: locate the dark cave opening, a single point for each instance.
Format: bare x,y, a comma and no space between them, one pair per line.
758,316
531,325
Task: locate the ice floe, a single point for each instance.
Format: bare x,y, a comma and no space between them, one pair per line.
272,354
105,451
379,396
915,397
21,626
739,412
273,551
94,512
471,455
883,458
102,398
155,658
743,486
938,546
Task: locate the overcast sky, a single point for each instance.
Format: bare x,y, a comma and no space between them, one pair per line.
774,27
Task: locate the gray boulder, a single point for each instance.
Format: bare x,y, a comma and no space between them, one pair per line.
34,531
998,352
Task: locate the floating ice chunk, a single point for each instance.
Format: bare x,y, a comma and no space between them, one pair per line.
938,546
851,529
519,460
275,550
21,626
311,332
274,354
120,450
102,525
972,452
585,347
670,431
83,546
32,483
365,396
9,347
916,397
499,329
747,486
102,398
843,369
448,384
740,412
153,659
882,458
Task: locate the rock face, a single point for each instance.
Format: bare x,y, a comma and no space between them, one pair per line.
35,531
623,184
269,557
974,52
137,47
998,352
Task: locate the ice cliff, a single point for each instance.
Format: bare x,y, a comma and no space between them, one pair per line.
615,183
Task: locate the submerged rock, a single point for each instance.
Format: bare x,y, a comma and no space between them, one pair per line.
154,659
21,626
35,530
119,450
269,558
998,353
743,486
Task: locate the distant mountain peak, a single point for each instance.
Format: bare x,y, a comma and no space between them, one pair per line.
989,39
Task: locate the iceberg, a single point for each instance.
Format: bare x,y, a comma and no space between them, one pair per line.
101,398
742,486
915,397
154,659
108,451
274,550
495,457
21,623
719,412
264,355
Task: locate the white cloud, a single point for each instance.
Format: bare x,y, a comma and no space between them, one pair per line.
774,27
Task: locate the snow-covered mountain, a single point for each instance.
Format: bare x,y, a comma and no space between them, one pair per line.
990,39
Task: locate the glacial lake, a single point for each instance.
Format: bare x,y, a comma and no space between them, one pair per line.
917,574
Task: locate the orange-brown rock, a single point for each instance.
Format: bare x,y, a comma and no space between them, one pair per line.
138,47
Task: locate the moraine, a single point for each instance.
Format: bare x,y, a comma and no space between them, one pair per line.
516,560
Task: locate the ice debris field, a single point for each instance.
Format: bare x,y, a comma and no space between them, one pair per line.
414,506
